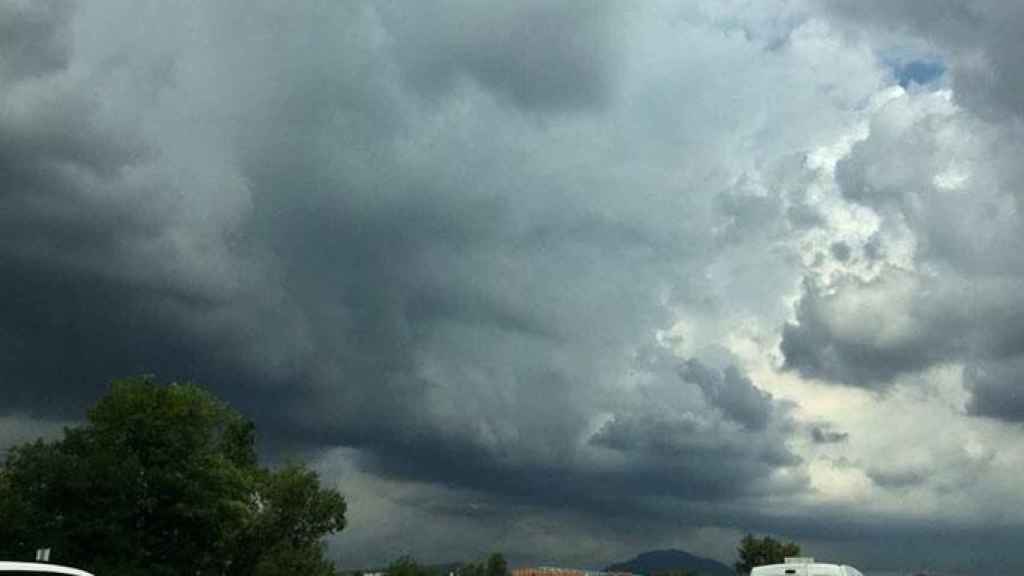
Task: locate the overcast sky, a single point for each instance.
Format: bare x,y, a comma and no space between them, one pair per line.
565,279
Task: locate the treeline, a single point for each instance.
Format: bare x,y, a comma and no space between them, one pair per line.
493,565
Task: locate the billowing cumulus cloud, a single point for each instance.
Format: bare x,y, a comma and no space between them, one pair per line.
535,270
944,185
979,39
941,171
732,393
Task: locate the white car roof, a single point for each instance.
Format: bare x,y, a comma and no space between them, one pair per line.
40,568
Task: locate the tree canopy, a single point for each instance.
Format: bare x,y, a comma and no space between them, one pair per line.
755,551
164,479
407,566
494,565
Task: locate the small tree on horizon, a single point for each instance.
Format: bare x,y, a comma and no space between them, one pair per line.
407,566
494,565
754,551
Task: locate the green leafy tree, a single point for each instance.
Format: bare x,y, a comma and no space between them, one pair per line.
14,533
291,561
293,513
754,551
472,569
496,565
406,566
164,480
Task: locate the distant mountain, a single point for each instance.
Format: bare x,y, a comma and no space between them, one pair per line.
664,560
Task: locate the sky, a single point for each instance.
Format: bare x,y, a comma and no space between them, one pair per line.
569,280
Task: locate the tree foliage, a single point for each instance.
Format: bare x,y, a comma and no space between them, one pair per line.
407,566
754,551
291,561
494,565
164,480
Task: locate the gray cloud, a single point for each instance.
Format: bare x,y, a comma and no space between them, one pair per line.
33,38
996,389
411,295
823,434
980,40
873,249
19,429
732,393
847,336
955,300
840,251
537,55
897,479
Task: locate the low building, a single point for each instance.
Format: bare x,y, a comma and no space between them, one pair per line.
552,571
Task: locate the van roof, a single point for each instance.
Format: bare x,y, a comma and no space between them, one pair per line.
41,568
798,564
799,569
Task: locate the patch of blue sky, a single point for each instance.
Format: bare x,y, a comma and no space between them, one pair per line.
919,71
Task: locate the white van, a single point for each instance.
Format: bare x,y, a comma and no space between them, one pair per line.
37,569
804,567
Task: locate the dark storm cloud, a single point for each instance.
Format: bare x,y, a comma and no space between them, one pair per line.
996,389
342,221
66,334
538,55
381,286
33,37
840,251
109,271
898,479
688,454
861,352
873,249
732,393
56,234
49,142
971,547
685,460
823,434
94,288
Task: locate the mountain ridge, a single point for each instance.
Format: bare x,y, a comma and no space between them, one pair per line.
655,561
